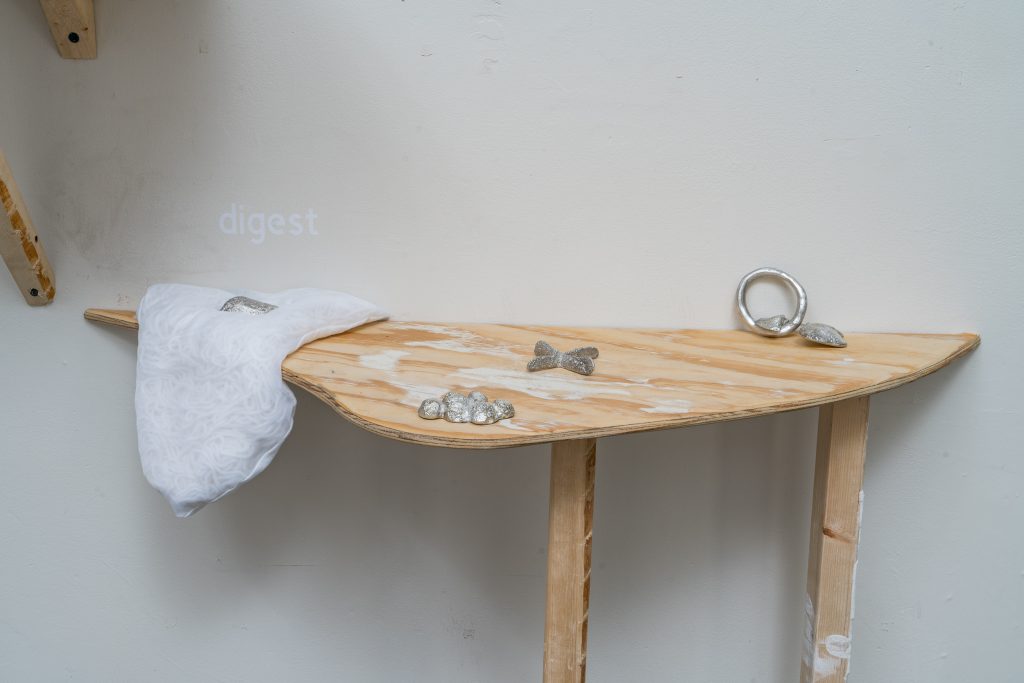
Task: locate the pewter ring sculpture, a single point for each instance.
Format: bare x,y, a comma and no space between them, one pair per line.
456,407
778,326
580,361
243,304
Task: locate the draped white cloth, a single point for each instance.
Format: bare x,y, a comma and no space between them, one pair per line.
211,407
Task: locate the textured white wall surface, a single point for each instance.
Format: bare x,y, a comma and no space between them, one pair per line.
604,163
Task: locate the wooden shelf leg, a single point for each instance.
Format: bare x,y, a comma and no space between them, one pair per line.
835,534
570,525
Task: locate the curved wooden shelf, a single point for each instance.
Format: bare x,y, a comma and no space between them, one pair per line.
377,375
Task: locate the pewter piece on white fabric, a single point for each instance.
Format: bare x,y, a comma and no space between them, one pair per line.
792,322
243,304
579,360
210,405
456,407
820,333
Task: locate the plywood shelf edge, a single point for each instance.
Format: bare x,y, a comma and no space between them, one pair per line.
646,379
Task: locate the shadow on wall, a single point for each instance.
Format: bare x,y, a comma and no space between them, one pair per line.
698,534
414,543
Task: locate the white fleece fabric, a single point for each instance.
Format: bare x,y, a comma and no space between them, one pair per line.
211,407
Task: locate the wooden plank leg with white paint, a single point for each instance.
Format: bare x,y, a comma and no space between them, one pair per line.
570,525
835,534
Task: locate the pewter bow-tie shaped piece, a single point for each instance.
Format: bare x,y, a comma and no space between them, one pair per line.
580,361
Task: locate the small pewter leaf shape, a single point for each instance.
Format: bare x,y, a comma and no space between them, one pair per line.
773,324
820,333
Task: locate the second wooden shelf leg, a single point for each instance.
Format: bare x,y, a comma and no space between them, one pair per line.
570,524
835,534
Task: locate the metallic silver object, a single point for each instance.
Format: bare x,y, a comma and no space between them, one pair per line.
459,408
780,325
482,414
503,409
579,360
792,323
773,324
820,333
243,304
431,409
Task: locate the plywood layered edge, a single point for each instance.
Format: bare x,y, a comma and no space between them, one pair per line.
645,380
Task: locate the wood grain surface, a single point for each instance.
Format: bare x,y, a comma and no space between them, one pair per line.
835,536
570,532
646,379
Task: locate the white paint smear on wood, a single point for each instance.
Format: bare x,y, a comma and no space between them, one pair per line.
459,341
385,360
808,645
824,665
415,395
838,645
553,384
673,406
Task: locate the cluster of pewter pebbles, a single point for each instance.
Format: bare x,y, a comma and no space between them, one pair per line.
456,407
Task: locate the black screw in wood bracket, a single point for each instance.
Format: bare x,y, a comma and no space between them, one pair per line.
73,37
34,291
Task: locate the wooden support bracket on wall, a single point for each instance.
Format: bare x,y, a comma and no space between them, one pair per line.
73,25
19,243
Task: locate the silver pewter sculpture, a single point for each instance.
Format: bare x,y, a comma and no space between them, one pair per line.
580,361
243,304
780,325
456,407
820,333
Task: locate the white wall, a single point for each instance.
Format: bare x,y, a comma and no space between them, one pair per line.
615,163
